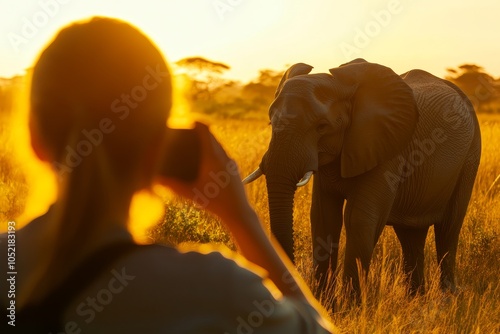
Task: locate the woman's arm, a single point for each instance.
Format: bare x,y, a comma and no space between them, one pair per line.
232,206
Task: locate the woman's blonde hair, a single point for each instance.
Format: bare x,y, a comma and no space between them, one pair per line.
100,97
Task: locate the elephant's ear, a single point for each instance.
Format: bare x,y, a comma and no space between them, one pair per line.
383,117
294,70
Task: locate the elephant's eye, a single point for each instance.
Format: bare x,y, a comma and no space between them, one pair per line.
322,128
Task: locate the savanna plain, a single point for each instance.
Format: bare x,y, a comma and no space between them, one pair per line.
385,306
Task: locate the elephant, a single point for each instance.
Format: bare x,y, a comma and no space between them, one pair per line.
384,149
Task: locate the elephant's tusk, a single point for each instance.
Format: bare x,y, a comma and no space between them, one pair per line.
305,179
253,176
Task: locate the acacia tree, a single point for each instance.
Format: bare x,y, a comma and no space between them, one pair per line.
205,75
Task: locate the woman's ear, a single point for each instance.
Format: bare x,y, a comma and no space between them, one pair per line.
383,117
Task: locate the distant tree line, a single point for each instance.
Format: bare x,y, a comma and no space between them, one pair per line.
211,94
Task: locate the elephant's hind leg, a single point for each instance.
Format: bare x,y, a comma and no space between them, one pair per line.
448,230
412,242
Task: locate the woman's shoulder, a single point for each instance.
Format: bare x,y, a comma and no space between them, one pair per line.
173,287
207,287
199,275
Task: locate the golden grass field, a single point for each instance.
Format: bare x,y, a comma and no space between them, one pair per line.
385,308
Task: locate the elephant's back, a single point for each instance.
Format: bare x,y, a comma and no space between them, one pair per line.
443,108
446,131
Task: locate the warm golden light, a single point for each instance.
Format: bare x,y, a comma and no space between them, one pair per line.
145,211
180,116
42,189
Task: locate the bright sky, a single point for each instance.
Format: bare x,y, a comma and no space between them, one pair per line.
250,35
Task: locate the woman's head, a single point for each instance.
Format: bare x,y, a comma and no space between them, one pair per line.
100,97
100,90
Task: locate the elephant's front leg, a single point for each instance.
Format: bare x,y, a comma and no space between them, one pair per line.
365,216
326,225
360,242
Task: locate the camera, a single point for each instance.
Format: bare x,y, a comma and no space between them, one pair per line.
181,157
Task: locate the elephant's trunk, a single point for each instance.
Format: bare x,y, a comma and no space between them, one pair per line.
281,213
284,165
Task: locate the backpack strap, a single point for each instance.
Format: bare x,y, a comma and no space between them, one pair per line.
47,314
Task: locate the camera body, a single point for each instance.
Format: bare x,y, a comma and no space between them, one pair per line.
182,155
